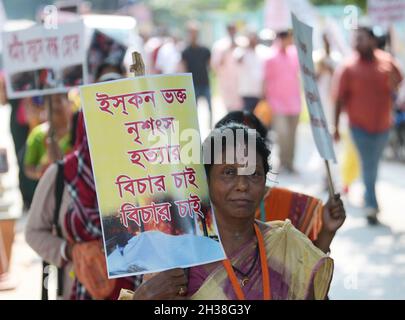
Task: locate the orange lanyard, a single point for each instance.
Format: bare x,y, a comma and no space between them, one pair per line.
265,271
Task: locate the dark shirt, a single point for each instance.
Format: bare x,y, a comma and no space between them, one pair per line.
196,60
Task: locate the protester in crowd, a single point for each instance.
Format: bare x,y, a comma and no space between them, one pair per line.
40,154
82,223
282,91
326,61
225,66
25,113
308,214
20,126
151,48
19,131
364,88
169,55
110,70
40,228
79,246
6,281
246,118
265,261
196,59
35,111
49,141
250,67
101,49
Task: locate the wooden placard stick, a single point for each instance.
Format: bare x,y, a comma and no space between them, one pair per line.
331,188
137,66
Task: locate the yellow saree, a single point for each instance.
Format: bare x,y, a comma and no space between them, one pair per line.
295,263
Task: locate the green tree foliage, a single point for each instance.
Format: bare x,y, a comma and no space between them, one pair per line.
176,12
236,5
360,3
193,6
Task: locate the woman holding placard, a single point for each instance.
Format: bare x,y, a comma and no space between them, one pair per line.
265,261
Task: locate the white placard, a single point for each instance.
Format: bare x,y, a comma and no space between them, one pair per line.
39,61
386,12
303,42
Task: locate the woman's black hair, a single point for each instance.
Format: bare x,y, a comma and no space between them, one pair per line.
219,134
246,118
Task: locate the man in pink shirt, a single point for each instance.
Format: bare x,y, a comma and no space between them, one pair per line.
282,91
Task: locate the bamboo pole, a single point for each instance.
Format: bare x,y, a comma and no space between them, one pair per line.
137,66
331,188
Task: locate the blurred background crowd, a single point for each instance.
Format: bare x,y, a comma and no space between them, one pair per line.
242,58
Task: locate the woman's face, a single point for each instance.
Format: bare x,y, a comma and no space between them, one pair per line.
61,110
234,195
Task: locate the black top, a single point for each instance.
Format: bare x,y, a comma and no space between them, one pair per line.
196,61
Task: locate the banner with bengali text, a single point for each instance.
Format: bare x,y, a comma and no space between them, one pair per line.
386,12
151,185
41,61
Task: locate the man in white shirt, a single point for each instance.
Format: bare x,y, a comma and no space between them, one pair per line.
169,56
225,66
250,71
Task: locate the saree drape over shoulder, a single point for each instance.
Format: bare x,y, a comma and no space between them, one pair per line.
295,266
304,211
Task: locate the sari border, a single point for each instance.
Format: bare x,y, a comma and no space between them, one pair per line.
317,267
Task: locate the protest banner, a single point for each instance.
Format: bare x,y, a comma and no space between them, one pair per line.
154,205
397,38
277,13
104,48
386,12
41,61
323,139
